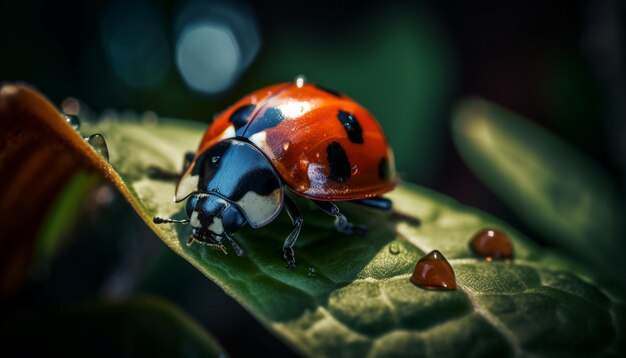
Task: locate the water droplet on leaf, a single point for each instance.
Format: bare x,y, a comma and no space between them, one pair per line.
394,248
433,272
492,245
99,144
311,271
72,120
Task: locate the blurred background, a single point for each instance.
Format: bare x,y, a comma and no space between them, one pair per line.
559,63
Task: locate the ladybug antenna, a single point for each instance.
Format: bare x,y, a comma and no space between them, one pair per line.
158,220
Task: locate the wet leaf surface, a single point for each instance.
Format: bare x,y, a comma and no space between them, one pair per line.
352,296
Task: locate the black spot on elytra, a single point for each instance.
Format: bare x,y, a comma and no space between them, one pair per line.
340,168
271,118
329,91
241,116
352,126
384,171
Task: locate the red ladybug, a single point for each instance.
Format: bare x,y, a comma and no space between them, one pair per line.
315,142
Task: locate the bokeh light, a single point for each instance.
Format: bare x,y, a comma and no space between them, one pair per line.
214,45
208,57
135,43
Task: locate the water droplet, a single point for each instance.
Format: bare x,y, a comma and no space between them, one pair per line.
394,248
72,120
215,159
354,169
311,271
99,144
492,245
300,80
433,272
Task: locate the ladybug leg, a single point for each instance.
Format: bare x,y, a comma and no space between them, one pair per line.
187,160
342,224
377,202
296,219
156,172
384,204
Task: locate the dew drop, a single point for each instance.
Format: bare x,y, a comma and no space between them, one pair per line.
492,245
300,80
354,170
99,144
394,248
433,272
215,159
72,120
311,271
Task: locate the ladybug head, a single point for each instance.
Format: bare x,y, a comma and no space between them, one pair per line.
232,173
212,217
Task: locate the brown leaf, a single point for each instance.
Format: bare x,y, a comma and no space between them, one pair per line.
39,153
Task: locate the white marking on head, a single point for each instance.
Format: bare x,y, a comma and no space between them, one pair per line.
216,226
193,220
228,132
260,209
259,139
186,186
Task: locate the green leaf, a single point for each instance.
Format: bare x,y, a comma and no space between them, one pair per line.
140,326
61,216
352,296
563,195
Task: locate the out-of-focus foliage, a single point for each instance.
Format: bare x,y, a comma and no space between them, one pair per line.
140,326
568,199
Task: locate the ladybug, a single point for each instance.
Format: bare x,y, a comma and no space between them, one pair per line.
286,139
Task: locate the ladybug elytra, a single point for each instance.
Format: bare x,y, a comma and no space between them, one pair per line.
312,141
